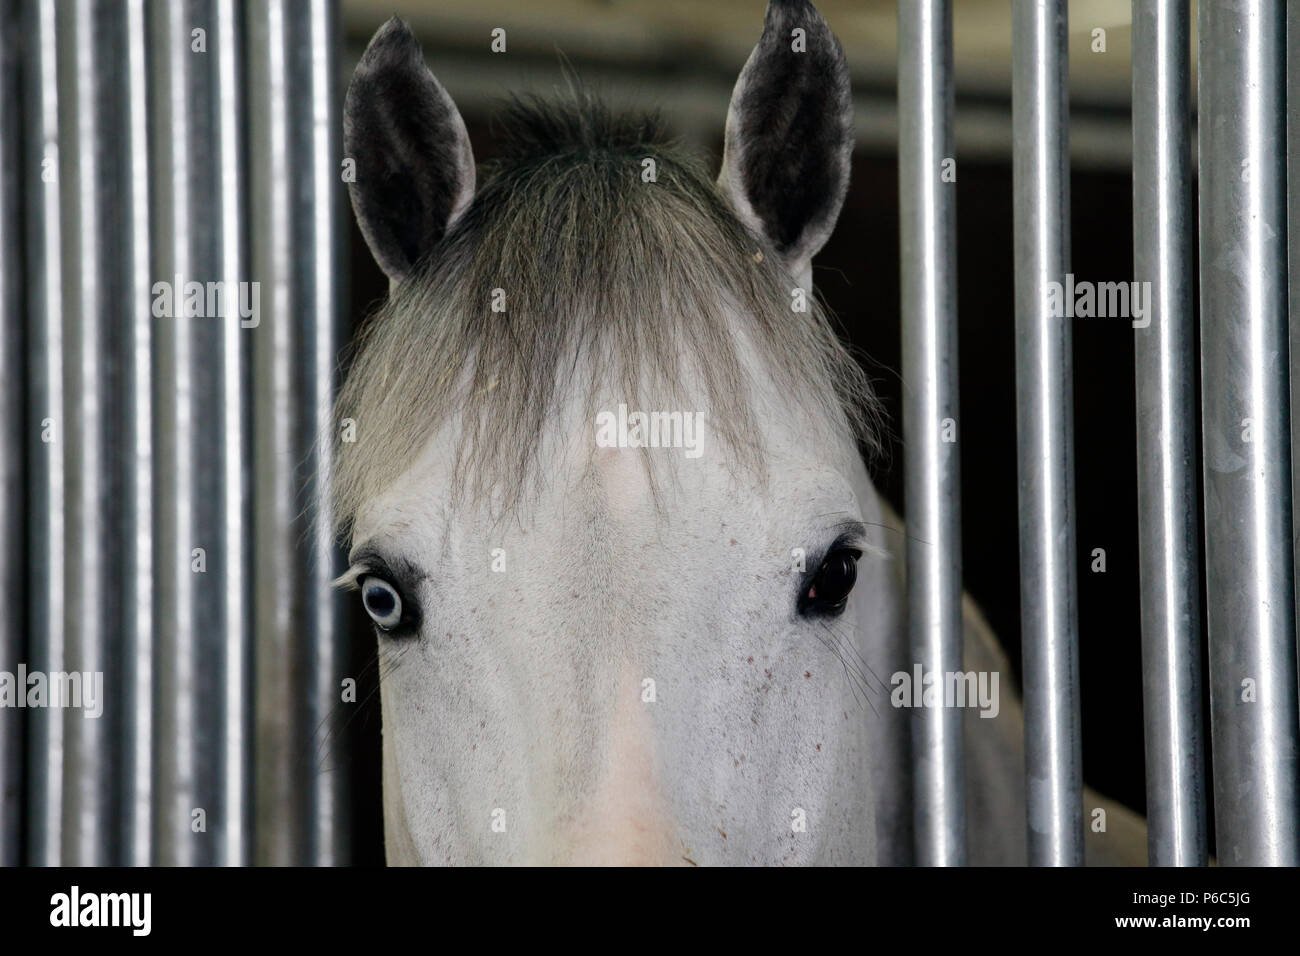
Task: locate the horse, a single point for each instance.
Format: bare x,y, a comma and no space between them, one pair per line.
604,480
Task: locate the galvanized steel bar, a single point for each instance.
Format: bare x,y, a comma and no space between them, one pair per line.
933,463
1293,263
15,425
294,179
320,49
1245,415
231,210
93,90
44,425
1168,507
202,686
137,397
1045,434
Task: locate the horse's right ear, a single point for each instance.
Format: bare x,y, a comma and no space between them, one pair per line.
414,166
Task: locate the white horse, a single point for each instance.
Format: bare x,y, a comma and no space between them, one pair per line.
636,598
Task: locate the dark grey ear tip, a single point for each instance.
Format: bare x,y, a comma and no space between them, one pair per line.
394,44
394,26
784,15
794,13
799,6
393,48
825,53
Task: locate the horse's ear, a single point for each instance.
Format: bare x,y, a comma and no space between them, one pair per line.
414,170
785,166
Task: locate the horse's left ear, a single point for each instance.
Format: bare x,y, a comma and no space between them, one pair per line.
414,164
785,166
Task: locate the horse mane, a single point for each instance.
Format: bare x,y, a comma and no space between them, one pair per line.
610,282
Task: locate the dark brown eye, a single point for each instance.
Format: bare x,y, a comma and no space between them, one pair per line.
828,593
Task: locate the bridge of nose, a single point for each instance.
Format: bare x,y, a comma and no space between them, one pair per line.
621,587
624,817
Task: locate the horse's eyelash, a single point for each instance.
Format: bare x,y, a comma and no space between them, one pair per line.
846,541
348,580
365,561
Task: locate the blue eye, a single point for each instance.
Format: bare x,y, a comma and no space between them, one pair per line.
382,602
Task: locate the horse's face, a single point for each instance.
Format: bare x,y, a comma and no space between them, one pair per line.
605,680
627,669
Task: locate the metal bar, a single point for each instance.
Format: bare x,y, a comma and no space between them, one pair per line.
44,425
1168,532
933,463
280,798
91,38
107,465
1246,420
330,793
202,695
1045,434
294,124
13,439
1293,263
237,745
138,649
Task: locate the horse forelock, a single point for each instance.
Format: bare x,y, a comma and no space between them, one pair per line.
598,258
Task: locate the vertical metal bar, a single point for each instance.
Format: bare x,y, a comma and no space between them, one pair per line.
294,123
200,418
236,440
323,141
1045,434
178,704
92,89
237,750
14,178
106,376
1293,262
1246,420
138,650
279,797
933,464
44,424
1169,547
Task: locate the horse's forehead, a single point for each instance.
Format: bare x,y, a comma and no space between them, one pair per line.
622,482
603,481
640,492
